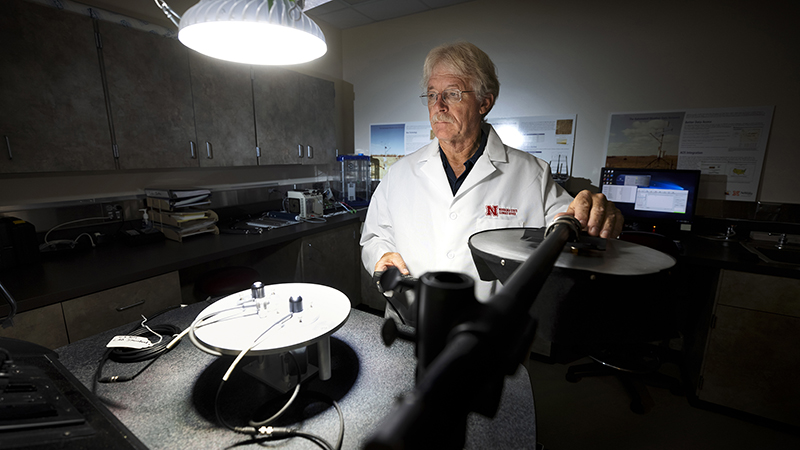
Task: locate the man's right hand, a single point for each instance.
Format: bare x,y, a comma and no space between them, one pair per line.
391,259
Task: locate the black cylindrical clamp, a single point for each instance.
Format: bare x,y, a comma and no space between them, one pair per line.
257,289
296,304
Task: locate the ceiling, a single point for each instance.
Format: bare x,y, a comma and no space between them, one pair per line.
341,14
345,14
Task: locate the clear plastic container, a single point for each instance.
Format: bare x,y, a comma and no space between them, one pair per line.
356,181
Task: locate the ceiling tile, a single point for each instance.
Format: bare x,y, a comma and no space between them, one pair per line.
389,9
442,3
333,5
343,18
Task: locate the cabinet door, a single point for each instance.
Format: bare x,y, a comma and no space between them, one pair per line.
52,108
293,111
751,363
149,87
319,129
101,311
760,292
223,109
43,326
276,96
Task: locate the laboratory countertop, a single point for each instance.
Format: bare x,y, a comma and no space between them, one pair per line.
65,276
171,403
731,254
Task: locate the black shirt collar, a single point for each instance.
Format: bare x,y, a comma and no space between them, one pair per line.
456,183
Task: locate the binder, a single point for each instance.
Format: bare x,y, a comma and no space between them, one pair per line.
177,235
183,219
176,193
176,228
172,205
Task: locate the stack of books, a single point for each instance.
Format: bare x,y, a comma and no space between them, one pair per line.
180,213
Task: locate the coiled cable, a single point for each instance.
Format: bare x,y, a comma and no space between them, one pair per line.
129,355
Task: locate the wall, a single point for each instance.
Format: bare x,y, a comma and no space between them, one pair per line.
594,58
24,191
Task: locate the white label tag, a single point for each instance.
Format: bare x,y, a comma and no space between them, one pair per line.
136,342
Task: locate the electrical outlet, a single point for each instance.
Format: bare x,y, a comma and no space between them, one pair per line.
112,211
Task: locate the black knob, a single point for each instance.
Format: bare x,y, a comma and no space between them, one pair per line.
296,304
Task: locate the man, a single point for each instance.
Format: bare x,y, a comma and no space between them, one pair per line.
430,202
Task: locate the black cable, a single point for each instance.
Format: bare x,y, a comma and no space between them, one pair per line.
12,304
131,355
253,428
136,355
276,433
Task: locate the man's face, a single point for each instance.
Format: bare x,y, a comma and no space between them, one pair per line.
457,123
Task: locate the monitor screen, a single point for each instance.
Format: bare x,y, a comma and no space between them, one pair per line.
652,195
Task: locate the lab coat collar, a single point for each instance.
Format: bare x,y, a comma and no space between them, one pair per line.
495,153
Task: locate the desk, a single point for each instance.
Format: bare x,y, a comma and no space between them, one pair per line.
167,406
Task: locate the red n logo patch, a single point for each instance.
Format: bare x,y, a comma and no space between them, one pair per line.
491,210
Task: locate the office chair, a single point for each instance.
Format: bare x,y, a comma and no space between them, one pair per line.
622,329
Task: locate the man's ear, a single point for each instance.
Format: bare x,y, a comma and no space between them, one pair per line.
486,104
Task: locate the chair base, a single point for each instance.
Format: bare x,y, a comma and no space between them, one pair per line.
634,372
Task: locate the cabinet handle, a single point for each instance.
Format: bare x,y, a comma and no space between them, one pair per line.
115,149
8,146
123,308
258,152
299,150
309,151
208,150
192,150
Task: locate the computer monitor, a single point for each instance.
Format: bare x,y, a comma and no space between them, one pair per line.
652,198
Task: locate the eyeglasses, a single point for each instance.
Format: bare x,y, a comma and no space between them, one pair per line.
449,97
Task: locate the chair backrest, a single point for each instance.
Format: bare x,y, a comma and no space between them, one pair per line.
653,240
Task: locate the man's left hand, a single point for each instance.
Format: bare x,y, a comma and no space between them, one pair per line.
598,216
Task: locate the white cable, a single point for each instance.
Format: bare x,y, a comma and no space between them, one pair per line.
160,337
190,328
255,343
75,241
67,223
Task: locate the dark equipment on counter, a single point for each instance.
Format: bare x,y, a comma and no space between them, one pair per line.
462,361
42,405
18,243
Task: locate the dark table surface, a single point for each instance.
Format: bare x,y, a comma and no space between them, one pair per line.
170,405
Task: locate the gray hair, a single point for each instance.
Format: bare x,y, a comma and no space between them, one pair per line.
466,61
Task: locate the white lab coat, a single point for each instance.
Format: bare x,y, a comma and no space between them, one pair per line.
413,211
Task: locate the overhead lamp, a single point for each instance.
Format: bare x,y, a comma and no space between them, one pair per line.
261,32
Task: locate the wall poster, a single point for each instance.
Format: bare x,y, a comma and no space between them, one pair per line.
550,138
391,141
718,141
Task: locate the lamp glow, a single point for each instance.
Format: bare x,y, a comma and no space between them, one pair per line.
248,31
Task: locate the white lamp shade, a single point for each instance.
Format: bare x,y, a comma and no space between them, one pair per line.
247,31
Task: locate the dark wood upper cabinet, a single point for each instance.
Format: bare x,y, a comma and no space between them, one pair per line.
52,108
223,110
293,111
150,94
